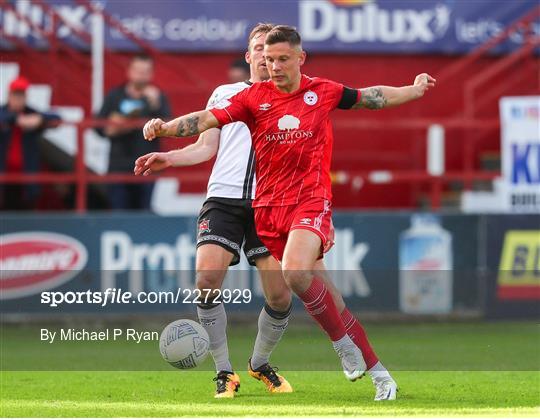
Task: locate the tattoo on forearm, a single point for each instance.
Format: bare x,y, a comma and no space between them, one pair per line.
188,126
372,98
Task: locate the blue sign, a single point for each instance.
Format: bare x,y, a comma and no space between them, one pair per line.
361,26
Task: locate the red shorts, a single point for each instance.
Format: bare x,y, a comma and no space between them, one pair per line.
273,224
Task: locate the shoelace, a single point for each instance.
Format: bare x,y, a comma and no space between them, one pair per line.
221,382
383,388
270,373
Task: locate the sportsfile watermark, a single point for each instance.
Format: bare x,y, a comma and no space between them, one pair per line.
101,320
112,296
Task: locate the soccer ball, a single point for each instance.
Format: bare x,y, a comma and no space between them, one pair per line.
184,344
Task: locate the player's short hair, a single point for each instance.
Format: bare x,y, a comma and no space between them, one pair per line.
284,33
142,57
260,28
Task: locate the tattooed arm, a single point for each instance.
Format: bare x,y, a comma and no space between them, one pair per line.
184,126
377,97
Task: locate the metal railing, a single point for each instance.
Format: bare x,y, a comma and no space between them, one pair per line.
81,177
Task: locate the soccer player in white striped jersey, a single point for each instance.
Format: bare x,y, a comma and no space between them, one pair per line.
226,222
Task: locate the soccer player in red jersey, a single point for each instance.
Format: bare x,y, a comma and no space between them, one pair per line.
288,117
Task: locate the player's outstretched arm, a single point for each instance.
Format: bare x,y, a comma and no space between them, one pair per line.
184,126
378,97
205,148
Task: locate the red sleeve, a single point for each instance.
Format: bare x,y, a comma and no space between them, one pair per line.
343,97
233,109
336,91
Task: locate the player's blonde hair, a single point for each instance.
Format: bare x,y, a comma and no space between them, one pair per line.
260,28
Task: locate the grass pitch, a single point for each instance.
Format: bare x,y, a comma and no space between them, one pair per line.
424,359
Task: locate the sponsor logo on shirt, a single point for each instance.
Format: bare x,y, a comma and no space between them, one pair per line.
288,122
305,221
289,131
264,107
310,98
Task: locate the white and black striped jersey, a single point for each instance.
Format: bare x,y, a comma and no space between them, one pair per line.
233,174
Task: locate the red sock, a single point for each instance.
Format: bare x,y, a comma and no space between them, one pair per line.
359,336
320,305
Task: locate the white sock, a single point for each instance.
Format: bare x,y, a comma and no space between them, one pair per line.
272,325
214,321
379,373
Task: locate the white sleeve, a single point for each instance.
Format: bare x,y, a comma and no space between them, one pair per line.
215,98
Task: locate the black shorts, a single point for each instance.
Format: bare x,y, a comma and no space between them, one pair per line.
229,223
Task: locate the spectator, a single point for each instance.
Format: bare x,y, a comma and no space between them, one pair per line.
239,71
21,128
136,99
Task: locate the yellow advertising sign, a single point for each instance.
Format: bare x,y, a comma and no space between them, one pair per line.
519,268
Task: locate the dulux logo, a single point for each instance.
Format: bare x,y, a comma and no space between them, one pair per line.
322,20
76,16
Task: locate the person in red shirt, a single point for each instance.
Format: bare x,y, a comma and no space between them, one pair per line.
288,117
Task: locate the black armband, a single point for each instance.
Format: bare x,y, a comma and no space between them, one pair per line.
348,98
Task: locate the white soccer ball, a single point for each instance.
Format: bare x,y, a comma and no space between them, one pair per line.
184,344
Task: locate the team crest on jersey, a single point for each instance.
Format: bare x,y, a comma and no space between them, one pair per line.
264,107
310,97
204,226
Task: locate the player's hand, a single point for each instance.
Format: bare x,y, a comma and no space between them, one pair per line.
151,163
423,82
156,127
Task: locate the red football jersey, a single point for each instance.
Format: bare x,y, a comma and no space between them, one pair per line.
292,137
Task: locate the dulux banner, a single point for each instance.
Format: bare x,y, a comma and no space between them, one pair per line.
376,26
146,253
